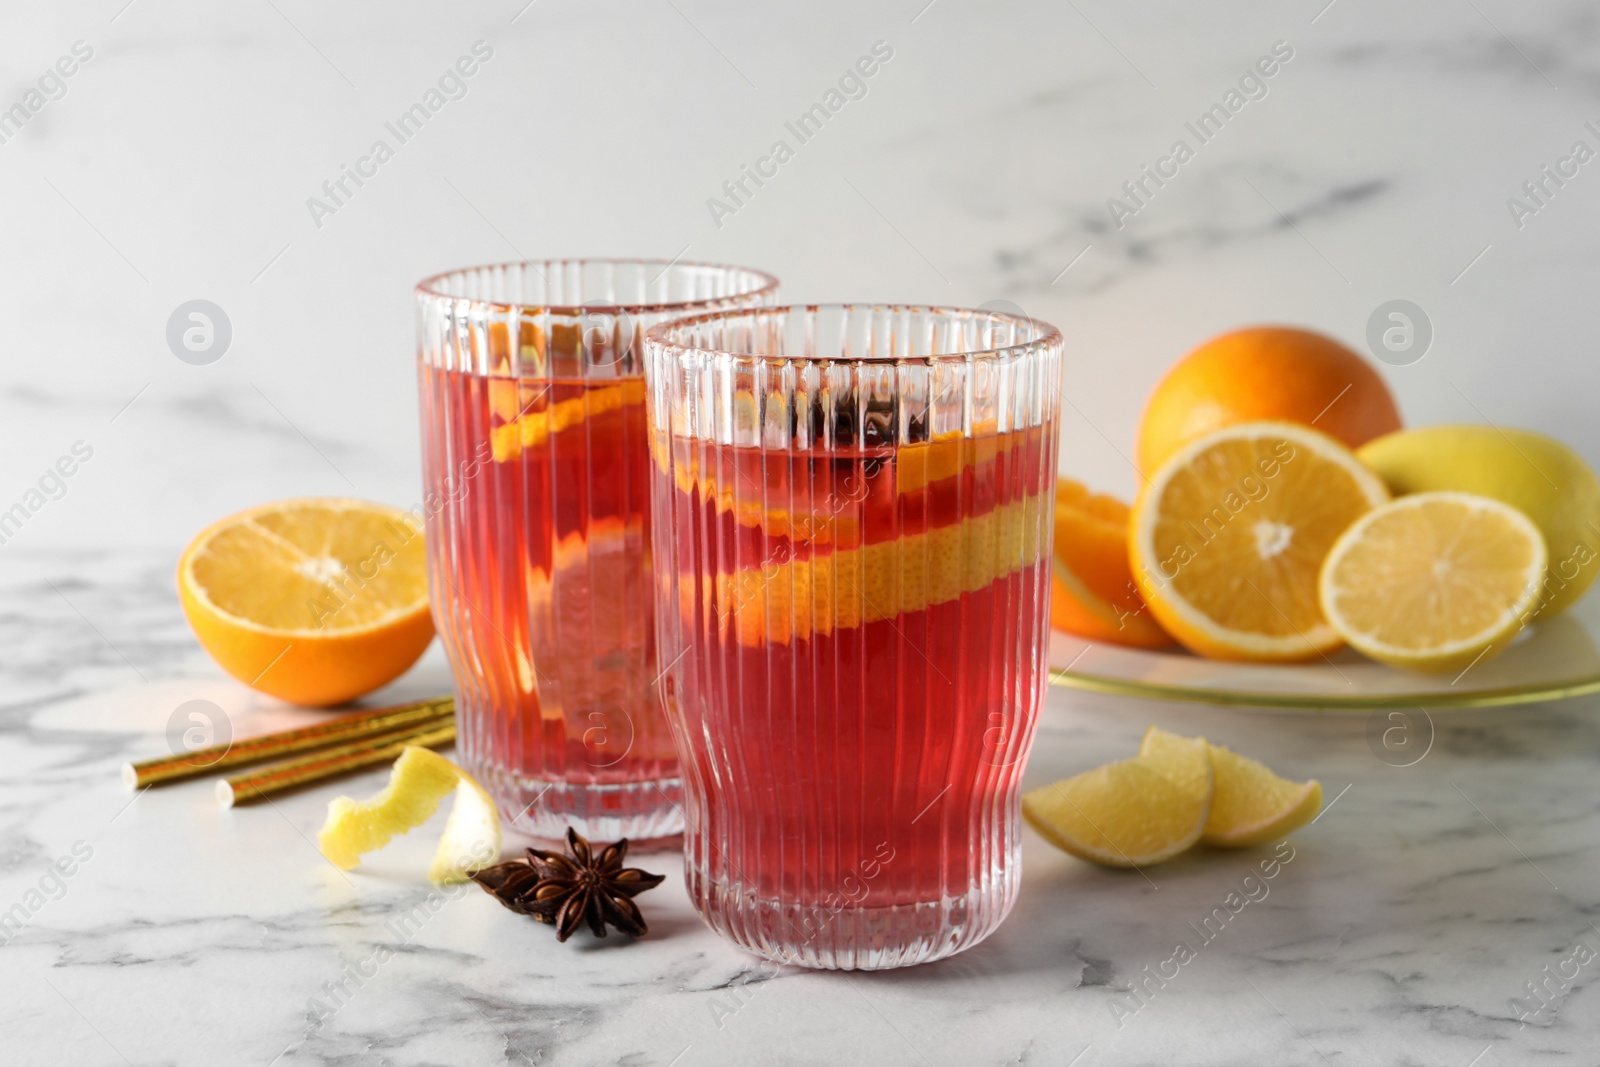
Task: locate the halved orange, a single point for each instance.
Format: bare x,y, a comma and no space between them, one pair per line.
1228,537
1093,594
315,601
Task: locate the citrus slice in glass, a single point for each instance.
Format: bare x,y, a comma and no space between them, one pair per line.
420,780
843,588
530,413
1228,537
1434,581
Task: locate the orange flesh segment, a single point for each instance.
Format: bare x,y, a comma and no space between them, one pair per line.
1230,535
309,561
1093,593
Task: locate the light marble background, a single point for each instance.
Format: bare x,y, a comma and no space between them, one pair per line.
177,166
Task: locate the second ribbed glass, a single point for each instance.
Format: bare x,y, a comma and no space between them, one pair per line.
538,530
852,512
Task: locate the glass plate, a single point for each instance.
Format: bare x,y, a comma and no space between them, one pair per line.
1552,660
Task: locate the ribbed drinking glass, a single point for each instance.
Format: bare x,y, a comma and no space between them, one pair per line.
853,508
535,465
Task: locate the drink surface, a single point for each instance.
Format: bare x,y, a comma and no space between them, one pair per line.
540,565
860,671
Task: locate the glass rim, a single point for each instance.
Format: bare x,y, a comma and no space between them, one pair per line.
432,286
661,335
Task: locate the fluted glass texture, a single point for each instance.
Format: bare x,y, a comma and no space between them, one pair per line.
535,467
853,509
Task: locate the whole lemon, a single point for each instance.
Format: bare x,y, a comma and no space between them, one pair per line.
1541,477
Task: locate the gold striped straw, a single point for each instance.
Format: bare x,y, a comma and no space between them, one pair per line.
248,788
203,761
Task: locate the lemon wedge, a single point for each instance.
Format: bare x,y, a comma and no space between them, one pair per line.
1251,805
1129,814
420,780
1177,791
1175,756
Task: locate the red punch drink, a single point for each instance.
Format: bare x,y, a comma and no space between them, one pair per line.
555,598
853,559
536,465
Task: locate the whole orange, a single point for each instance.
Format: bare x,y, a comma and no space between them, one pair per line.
1265,372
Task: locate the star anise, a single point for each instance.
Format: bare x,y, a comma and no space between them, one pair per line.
566,890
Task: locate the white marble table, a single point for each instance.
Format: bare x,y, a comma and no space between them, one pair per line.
1397,930
176,164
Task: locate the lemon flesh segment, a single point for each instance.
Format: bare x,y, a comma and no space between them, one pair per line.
420,780
1251,805
1123,814
1184,761
1434,581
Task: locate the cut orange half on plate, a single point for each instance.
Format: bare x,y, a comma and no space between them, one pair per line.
1228,538
1092,593
313,601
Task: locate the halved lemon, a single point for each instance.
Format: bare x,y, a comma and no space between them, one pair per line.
1434,581
1228,537
314,601
1093,594
1129,814
419,781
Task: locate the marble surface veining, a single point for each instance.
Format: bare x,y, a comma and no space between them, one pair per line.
1406,926
1402,927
